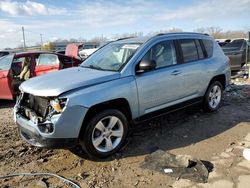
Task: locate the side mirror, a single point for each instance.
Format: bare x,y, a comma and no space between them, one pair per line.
146,65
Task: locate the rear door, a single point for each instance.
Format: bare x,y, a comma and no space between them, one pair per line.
46,63
194,63
5,77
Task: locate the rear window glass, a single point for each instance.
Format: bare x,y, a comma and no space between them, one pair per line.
208,44
189,50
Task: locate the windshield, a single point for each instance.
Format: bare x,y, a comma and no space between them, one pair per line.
111,57
5,62
237,44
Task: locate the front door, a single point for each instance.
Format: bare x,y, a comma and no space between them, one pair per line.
161,87
5,78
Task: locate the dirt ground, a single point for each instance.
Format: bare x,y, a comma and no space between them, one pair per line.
216,137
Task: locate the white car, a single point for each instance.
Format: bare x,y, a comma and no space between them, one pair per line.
86,52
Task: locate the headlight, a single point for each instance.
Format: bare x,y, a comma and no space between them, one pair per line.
58,104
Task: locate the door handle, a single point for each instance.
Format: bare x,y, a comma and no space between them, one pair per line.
176,72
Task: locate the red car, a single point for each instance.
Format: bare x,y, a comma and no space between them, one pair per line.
12,68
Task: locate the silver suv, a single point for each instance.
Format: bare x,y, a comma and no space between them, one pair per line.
124,82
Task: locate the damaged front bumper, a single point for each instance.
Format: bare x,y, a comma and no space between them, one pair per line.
59,131
31,134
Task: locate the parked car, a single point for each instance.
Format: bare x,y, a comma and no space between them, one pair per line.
12,66
223,42
81,50
121,84
86,53
236,51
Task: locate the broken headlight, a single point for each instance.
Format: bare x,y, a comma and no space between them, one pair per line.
58,104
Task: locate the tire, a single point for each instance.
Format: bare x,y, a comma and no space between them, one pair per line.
213,97
105,134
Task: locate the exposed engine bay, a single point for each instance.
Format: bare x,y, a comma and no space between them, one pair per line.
35,108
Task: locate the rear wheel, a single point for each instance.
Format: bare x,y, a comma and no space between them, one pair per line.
105,134
213,97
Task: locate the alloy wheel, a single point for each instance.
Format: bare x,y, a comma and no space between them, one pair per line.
107,134
214,97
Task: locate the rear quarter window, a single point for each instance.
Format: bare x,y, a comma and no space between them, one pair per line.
208,45
189,50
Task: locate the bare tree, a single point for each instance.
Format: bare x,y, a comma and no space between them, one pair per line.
73,40
48,47
100,39
218,33
172,30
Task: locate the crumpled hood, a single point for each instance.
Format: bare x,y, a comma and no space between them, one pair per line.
56,83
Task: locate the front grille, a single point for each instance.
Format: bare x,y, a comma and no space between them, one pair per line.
40,105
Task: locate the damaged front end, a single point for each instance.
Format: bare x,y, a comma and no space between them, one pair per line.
37,116
39,110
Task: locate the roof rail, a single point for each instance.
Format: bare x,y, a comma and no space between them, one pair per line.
124,38
174,33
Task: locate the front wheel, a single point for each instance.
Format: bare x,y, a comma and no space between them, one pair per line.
105,134
213,97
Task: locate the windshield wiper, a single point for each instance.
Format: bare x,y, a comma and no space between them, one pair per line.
96,67
93,67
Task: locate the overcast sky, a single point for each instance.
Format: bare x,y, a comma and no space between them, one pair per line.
82,18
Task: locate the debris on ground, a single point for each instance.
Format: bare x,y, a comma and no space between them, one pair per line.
246,154
178,166
43,182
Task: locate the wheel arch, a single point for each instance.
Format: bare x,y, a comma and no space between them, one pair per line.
120,104
220,78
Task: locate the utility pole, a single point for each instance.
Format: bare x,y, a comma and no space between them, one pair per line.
24,45
41,41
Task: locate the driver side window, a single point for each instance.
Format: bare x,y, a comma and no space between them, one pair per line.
162,53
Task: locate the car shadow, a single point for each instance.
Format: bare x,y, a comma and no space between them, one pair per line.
6,104
179,129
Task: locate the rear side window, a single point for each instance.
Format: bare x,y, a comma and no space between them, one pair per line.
48,59
208,44
189,50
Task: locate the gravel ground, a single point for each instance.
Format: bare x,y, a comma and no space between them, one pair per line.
216,137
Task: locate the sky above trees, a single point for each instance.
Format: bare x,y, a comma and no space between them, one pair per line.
56,19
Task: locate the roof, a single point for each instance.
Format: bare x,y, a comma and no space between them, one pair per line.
144,39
